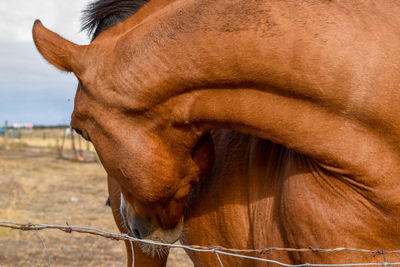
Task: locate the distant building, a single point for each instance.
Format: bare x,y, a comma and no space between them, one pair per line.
17,125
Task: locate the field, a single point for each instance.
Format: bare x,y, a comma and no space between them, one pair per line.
37,186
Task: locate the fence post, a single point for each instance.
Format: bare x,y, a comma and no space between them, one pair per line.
73,145
61,148
80,151
6,135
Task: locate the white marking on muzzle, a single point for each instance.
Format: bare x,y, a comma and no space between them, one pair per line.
122,205
122,208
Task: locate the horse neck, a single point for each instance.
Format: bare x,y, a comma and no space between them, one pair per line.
247,67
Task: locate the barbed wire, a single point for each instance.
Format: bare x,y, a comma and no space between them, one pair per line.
217,250
44,247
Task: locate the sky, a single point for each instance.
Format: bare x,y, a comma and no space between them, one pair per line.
31,90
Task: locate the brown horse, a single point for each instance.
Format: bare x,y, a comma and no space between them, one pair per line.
311,90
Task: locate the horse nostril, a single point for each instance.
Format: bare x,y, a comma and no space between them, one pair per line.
137,233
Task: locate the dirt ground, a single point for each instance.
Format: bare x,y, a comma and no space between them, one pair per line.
36,186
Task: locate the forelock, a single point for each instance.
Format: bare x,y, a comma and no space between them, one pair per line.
103,14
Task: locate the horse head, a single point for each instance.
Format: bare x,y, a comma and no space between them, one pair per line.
155,162
151,89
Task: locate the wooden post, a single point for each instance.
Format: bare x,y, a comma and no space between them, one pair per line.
73,145
6,135
58,147
80,146
61,150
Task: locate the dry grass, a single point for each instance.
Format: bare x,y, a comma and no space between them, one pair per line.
36,186
46,138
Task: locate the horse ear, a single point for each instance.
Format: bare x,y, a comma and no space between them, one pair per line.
56,50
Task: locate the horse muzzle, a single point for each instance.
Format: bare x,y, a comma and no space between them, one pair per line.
142,228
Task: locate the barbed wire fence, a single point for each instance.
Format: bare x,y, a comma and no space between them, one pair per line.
217,250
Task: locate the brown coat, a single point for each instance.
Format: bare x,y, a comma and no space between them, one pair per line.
318,79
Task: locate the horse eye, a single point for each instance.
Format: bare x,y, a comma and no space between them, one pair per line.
82,133
77,131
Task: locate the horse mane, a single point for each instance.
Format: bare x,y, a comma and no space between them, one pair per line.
103,14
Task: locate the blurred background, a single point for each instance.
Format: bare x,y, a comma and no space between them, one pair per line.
48,174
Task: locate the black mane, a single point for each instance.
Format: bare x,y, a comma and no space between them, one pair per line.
103,14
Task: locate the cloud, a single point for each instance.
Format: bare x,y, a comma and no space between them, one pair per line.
31,90
62,16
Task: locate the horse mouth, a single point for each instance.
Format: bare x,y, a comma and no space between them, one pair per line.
156,243
151,236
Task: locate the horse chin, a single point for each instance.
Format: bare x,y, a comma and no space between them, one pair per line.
160,235
154,250
169,236
141,228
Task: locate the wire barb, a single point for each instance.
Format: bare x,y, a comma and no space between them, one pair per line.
133,253
43,245
219,259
